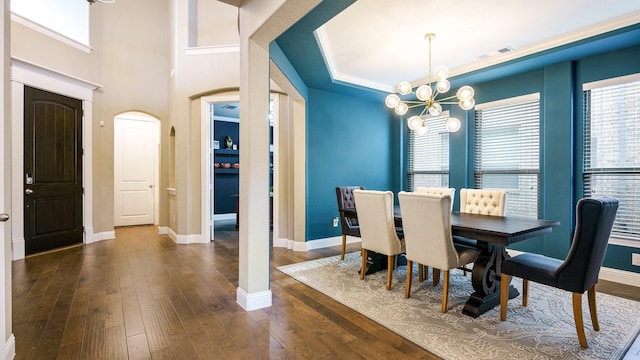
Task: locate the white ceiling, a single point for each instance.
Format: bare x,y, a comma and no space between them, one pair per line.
378,43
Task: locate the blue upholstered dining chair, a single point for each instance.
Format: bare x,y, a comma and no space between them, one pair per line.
349,225
578,272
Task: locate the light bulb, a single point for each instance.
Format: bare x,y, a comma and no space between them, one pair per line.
402,109
465,93
443,85
422,130
424,92
392,101
414,122
435,109
441,72
404,88
467,104
452,124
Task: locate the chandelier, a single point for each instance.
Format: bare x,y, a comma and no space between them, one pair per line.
427,97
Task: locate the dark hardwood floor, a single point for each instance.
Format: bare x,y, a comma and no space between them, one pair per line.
141,296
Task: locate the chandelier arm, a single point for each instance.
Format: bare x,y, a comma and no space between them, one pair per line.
448,98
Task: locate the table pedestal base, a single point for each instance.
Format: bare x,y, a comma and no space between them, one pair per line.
486,280
479,304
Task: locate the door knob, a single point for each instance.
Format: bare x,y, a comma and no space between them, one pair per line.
28,191
4,217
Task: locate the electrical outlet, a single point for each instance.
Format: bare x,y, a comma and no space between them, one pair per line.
335,222
635,259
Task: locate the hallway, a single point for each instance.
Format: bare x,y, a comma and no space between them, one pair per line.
141,296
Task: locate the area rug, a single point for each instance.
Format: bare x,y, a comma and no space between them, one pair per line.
543,330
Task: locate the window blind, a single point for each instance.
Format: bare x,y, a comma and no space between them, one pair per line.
612,151
507,152
429,155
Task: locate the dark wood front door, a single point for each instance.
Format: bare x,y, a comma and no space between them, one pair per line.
52,171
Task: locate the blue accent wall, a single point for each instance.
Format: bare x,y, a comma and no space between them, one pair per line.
350,141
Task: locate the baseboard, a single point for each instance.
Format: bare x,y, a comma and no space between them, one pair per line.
10,348
322,243
608,274
620,276
106,235
163,230
254,301
281,242
184,239
18,248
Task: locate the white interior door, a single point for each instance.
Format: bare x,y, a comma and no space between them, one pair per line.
135,167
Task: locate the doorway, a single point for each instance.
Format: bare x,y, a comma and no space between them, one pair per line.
52,171
136,162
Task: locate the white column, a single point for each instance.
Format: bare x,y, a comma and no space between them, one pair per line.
253,286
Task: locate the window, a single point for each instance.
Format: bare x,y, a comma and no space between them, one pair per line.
612,149
65,20
507,151
429,155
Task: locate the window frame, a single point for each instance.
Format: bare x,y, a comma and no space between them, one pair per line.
587,172
435,123
517,197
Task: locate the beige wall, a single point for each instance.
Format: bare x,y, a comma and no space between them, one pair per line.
129,59
192,75
140,58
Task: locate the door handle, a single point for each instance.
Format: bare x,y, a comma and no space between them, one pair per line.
28,191
150,185
4,217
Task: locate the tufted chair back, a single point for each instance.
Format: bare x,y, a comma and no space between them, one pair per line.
344,194
440,191
483,201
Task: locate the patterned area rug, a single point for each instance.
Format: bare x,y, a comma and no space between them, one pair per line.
543,330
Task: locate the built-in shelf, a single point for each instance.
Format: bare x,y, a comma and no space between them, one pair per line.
227,152
226,171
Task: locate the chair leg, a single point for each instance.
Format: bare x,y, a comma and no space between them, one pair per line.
525,292
407,289
420,272
363,268
591,294
577,315
436,276
504,295
445,291
344,246
390,263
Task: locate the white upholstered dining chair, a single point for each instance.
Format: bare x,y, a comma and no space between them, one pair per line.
423,270
377,228
483,201
426,223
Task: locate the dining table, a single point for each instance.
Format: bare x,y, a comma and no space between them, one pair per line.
492,234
